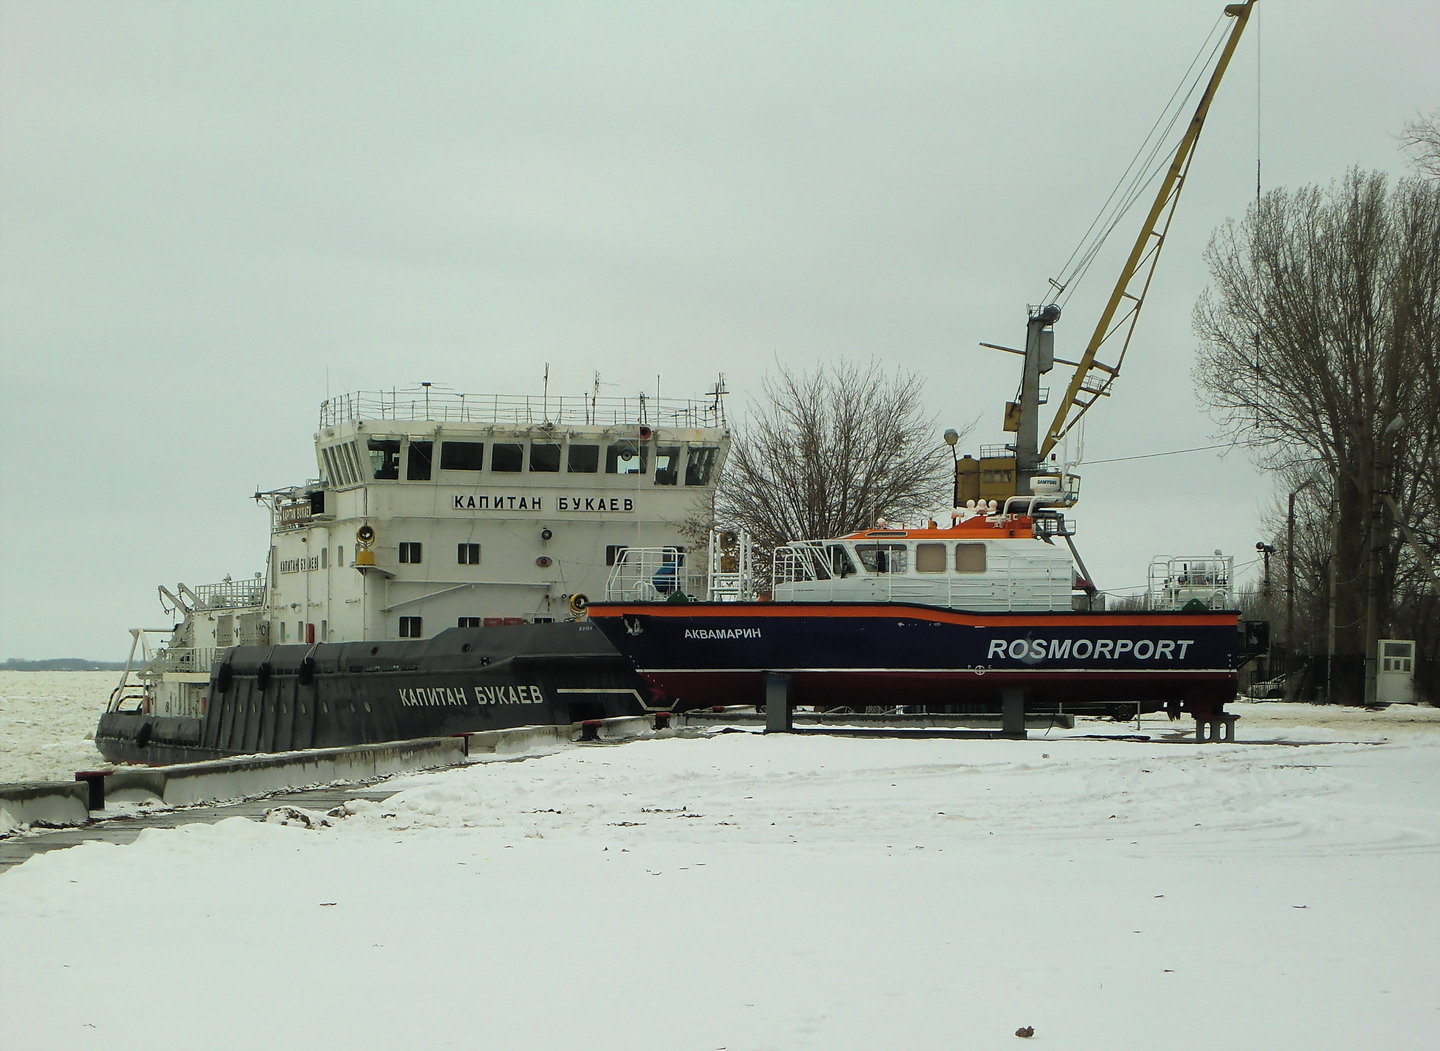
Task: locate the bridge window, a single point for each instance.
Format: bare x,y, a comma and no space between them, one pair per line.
969,558
507,456
883,558
462,456
667,463
417,461
583,459
385,457
930,558
700,463
545,456
627,457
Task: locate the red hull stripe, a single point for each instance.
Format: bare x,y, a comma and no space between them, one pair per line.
888,610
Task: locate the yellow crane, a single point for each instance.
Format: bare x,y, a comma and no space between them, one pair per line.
1010,471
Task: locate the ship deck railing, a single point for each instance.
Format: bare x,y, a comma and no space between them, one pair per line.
653,574
523,409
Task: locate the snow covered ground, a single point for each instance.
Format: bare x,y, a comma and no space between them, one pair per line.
744,891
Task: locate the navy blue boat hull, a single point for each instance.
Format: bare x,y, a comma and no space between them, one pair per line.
866,654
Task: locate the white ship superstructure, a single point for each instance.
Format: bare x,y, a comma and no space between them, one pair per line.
436,510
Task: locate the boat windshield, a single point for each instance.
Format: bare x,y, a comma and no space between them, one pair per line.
883,558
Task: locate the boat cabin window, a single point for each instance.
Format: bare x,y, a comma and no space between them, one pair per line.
467,554
417,460
411,552
667,463
462,456
883,558
930,558
613,552
385,457
410,627
700,463
583,459
545,456
969,558
627,457
507,456
839,562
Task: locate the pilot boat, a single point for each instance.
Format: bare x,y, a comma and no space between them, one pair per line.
936,618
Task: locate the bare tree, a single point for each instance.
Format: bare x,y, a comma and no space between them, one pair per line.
1422,138
1319,345
831,451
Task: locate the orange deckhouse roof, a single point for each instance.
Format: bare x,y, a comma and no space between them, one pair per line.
977,527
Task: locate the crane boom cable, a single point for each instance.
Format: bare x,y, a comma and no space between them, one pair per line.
1143,254
1154,142
1155,165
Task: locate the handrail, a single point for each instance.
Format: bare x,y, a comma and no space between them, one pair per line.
522,409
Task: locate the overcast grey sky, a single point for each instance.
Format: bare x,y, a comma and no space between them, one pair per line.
215,213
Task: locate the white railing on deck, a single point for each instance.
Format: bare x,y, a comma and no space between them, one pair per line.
195,659
652,574
523,409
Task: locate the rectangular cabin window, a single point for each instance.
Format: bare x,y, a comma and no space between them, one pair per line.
612,553
324,631
327,458
340,554
969,558
385,457
583,459
700,464
462,456
667,463
324,558
545,456
467,554
930,558
627,457
883,558
410,551
508,457
417,461
410,627
468,622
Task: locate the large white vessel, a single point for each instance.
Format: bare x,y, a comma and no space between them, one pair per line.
431,578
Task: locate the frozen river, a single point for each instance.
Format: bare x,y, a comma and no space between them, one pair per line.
47,722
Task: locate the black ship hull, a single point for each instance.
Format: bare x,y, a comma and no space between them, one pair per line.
263,699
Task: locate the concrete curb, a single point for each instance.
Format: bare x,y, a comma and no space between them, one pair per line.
253,775
71,802
44,803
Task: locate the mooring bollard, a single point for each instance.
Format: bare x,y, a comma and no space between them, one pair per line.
590,729
662,720
95,779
